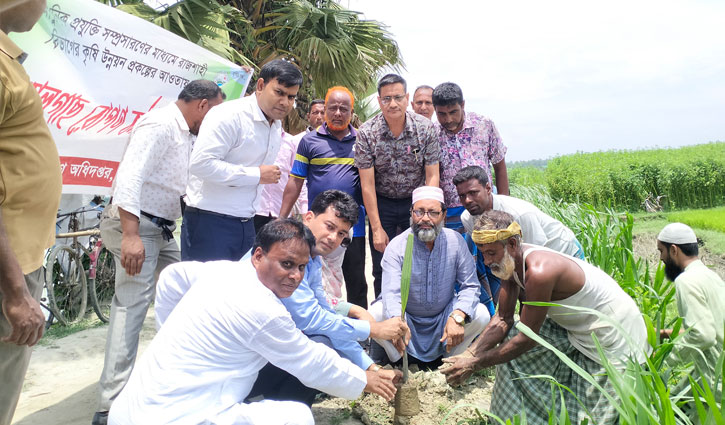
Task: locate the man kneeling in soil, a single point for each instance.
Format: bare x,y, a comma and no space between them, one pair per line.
206,356
441,321
534,273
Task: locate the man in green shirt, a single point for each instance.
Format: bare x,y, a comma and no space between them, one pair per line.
700,294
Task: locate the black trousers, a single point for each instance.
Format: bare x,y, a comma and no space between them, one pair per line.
395,218
353,269
260,221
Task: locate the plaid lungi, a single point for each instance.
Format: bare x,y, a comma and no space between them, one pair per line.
538,396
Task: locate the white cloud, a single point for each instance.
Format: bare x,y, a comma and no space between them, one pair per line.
562,76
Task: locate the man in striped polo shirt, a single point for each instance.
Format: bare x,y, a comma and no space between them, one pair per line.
325,158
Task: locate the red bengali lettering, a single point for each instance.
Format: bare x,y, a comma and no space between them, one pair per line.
88,171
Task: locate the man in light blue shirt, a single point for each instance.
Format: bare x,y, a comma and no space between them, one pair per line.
330,218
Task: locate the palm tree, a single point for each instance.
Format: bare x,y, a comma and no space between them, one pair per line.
330,44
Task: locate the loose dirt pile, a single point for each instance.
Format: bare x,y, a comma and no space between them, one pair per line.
438,402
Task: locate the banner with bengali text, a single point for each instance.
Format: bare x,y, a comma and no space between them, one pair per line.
98,70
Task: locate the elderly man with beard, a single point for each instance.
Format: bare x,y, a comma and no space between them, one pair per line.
588,303
326,160
442,322
700,294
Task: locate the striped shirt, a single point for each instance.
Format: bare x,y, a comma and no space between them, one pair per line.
328,163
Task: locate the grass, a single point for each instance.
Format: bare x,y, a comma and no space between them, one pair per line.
711,219
652,223
58,331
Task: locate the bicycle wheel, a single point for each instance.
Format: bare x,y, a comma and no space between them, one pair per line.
103,286
67,289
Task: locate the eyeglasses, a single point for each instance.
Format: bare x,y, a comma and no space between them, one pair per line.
398,99
431,214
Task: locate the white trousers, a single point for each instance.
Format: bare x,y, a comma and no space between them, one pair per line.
266,412
471,330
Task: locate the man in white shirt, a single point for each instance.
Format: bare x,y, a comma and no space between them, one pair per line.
271,202
232,158
137,228
474,191
206,357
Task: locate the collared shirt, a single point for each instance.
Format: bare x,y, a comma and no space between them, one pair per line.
155,167
328,163
399,163
432,297
314,316
537,228
30,179
271,202
308,306
234,140
700,295
478,143
207,355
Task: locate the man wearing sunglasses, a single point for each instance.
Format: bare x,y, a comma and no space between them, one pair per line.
442,321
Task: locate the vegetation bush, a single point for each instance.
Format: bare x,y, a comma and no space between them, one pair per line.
692,177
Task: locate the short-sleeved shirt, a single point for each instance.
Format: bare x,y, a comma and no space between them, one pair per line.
30,179
478,143
328,163
399,163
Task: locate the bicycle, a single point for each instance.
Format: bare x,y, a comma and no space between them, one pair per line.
68,287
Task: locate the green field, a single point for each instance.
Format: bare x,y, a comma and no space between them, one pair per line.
711,219
688,177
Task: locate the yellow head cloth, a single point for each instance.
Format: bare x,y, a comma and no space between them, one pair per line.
482,237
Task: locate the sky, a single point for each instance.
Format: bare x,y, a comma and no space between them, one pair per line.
558,77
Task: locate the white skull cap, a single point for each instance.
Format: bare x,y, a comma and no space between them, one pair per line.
428,192
678,234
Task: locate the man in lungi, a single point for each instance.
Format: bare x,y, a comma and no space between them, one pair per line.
533,273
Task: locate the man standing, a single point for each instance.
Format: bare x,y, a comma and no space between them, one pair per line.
441,321
233,156
423,101
29,195
204,360
396,151
474,192
271,202
331,215
316,116
325,158
700,295
465,139
137,228
578,288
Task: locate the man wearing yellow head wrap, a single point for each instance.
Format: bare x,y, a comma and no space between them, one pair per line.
538,274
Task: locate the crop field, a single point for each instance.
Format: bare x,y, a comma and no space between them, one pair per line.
688,177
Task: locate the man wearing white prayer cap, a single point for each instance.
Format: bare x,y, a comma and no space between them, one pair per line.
700,295
443,311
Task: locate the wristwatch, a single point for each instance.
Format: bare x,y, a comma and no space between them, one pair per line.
458,319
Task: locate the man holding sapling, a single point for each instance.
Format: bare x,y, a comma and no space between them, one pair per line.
442,321
588,303
700,295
